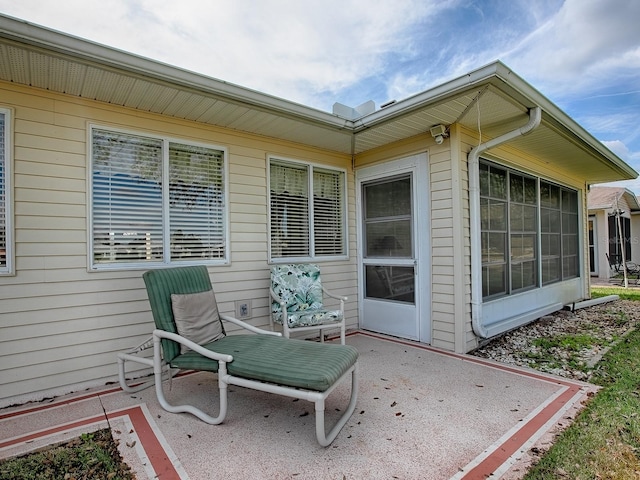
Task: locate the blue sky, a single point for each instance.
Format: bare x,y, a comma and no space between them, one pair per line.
584,55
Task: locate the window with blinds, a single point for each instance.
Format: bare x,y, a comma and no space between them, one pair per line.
138,218
307,211
4,189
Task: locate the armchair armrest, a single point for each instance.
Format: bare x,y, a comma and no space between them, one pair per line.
248,326
334,295
283,305
220,357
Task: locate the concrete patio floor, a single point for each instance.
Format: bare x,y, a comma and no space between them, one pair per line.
422,413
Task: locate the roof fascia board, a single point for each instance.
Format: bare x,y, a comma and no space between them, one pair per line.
35,35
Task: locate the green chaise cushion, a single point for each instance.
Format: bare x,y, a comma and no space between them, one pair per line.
278,360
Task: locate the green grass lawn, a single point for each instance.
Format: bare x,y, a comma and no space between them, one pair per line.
604,441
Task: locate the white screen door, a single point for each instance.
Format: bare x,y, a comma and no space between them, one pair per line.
390,285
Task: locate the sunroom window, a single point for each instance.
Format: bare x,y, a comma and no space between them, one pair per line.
5,201
156,201
307,211
529,231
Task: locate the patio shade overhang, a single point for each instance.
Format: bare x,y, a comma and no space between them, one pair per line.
43,58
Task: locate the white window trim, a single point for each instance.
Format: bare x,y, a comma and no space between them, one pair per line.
345,209
91,266
8,269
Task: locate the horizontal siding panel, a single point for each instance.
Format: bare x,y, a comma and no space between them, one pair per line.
46,183
52,144
27,222
27,346
54,132
34,317
49,210
59,197
57,170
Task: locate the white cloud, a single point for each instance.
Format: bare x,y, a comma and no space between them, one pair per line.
289,48
582,45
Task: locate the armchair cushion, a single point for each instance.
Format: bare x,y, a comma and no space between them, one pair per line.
312,317
300,287
197,318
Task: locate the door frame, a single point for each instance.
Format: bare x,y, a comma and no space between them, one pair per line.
417,164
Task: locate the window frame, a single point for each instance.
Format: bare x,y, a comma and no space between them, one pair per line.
7,180
541,234
166,260
313,256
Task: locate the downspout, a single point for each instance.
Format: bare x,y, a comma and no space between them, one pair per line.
535,115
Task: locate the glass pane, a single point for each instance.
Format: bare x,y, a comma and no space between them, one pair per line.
569,267
516,218
550,270
484,213
549,195
390,283
289,209
328,222
497,183
569,201
530,191
390,198
516,276
484,179
196,202
127,198
388,224
389,239
497,251
497,215
494,280
529,274
529,219
523,247
516,188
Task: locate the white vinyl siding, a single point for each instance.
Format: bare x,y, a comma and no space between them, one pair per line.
304,225
5,193
140,219
62,325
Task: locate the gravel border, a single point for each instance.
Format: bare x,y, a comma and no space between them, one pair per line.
605,324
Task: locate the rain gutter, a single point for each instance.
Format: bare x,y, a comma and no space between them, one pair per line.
535,116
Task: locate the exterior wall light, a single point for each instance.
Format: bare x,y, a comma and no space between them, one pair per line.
439,132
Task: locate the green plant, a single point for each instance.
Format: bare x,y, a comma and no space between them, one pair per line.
91,456
604,441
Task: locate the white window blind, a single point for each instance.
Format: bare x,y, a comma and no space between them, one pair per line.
136,219
305,226
328,221
289,210
197,202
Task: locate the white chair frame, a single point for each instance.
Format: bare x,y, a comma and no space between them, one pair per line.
224,379
286,330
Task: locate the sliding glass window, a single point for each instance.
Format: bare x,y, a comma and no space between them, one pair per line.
529,231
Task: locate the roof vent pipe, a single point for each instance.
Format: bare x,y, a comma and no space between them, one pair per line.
535,116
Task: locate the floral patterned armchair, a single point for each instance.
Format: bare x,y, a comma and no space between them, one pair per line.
297,301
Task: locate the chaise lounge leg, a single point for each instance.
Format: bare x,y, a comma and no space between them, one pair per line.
326,439
222,385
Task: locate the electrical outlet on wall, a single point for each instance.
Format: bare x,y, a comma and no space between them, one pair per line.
243,309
